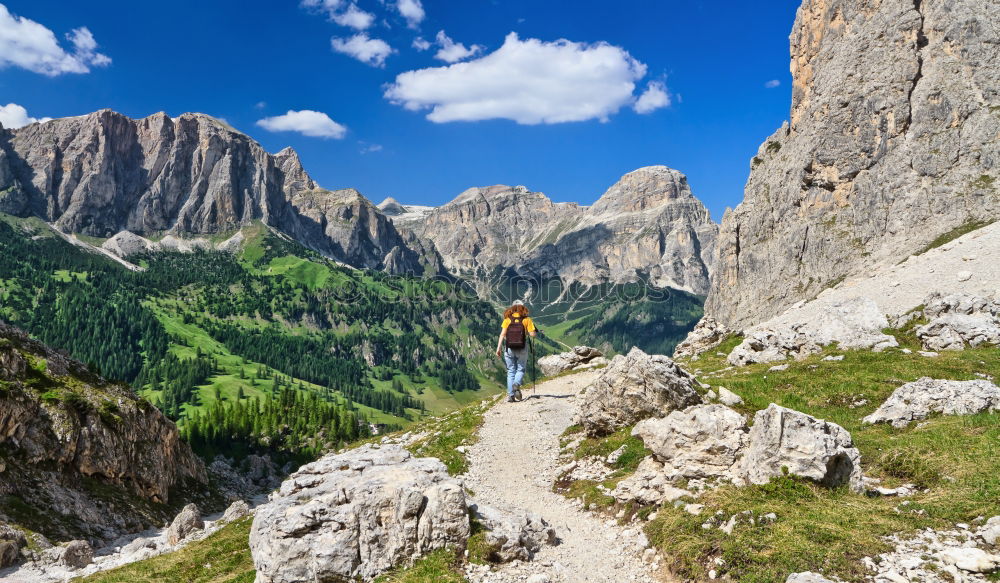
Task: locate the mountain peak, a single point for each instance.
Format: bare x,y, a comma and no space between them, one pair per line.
391,207
644,188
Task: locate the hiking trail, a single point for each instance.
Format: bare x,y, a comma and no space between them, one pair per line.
513,466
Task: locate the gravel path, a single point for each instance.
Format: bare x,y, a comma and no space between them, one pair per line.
514,465
968,264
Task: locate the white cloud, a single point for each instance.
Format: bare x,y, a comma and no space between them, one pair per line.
29,45
654,97
412,11
367,50
328,6
370,148
772,83
354,18
421,44
451,51
530,82
260,104
314,124
13,116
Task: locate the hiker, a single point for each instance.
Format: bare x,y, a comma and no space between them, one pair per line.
512,345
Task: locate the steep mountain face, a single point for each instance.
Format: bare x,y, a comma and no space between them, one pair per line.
647,226
894,140
104,173
80,455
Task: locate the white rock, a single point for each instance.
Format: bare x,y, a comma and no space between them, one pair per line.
186,522
513,535
964,275
970,559
356,515
538,578
812,448
703,441
917,400
991,531
729,398
807,577
832,358
778,368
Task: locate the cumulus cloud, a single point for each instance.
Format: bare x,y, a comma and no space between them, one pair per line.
372,51
412,11
451,51
328,6
421,44
654,97
354,18
314,124
13,116
772,83
29,45
529,81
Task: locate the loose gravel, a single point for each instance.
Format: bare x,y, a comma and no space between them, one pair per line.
514,465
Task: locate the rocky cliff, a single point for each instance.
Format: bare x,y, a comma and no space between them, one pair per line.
894,139
648,225
104,173
81,456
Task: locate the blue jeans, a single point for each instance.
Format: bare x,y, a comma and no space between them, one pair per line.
517,363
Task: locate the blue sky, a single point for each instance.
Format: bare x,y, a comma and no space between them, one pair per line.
497,115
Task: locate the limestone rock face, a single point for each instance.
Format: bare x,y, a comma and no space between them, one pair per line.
579,358
356,515
894,139
106,434
782,439
704,441
917,400
104,173
647,225
633,387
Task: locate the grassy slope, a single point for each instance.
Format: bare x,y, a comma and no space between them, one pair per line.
956,458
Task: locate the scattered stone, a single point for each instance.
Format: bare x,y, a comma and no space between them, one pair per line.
77,554
917,400
807,577
648,485
972,560
614,456
991,531
634,387
964,275
785,440
729,398
959,319
357,515
927,353
832,358
185,523
539,578
11,542
778,368
694,509
236,511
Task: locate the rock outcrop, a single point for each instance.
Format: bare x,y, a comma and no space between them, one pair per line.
184,524
513,536
707,333
894,140
959,320
104,173
785,441
704,441
853,324
917,400
648,225
633,387
86,452
12,541
580,358
356,515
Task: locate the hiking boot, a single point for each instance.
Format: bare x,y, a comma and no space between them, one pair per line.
510,399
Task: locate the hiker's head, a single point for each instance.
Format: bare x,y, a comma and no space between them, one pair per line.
517,307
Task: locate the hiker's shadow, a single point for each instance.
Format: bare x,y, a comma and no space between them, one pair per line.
546,397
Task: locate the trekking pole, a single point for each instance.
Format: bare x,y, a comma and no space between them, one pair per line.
531,345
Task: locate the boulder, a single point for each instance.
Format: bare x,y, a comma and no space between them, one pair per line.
648,485
186,522
970,559
356,515
783,440
77,554
707,334
729,398
807,577
513,536
852,324
634,387
12,540
917,400
704,441
954,331
991,531
579,358
236,511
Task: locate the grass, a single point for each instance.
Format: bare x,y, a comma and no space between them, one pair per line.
955,458
445,434
440,566
223,557
953,234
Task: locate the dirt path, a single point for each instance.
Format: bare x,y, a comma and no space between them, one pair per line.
514,465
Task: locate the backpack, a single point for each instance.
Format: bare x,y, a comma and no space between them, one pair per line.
516,336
